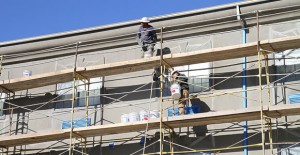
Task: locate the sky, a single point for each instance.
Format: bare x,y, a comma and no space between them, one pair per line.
30,18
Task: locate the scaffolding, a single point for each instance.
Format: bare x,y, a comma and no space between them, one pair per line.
78,140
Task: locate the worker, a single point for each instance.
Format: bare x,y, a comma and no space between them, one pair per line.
146,37
182,80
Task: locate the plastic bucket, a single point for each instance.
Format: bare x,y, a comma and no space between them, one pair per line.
143,115
188,110
124,118
175,90
133,117
111,145
27,73
192,110
196,109
173,111
154,114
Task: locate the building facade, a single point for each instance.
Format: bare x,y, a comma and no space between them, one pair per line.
48,108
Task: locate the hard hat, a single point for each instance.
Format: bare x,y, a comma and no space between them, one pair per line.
144,20
174,71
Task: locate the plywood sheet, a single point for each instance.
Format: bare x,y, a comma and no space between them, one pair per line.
218,117
177,59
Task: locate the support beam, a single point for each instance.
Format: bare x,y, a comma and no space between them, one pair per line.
178,59
218,117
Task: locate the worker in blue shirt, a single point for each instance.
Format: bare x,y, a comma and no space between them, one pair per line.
146,37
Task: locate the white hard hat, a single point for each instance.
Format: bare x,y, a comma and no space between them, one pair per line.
174,71
144,20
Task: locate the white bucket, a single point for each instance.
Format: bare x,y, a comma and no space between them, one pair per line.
27,73
133,117
124,118
175,90
143,115
154,114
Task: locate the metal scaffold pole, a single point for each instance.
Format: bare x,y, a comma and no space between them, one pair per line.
172,141
83,145
102,101
74,90
87,93
268,120
260,86
7,149
161,93
11,112
267,77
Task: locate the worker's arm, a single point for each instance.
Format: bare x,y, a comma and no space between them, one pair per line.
154,35
184,81
138,38
183,78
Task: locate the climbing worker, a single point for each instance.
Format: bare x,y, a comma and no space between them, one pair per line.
182,80
146,37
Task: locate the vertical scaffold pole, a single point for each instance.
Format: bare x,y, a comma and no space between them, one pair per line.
172,142
102,101
161,93
269,100
73,101
11,111
267,77
1,60
260,86
7,150
87,94
83,145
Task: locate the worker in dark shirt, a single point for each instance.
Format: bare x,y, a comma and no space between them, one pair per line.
182,80
146,37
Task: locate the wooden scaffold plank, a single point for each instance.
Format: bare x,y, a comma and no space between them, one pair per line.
177,59
217,117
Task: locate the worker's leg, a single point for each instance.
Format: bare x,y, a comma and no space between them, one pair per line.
148,50
185,93
181,110
183,100
144,49
151,49
156,74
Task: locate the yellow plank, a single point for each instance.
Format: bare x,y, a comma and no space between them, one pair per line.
177,59
218,117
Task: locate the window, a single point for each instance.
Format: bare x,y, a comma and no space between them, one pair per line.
198,75
2,100
65,92
290,55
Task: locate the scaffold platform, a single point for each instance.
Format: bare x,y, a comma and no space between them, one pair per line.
177,59
217,117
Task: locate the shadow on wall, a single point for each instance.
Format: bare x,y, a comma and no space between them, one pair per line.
137,95
22,114
200,130
41,103
218,141
254,81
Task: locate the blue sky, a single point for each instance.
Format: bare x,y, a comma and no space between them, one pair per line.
29,18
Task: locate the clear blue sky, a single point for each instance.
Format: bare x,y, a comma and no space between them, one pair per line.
29,18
